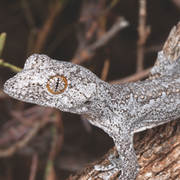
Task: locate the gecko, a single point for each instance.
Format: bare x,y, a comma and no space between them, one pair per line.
120,110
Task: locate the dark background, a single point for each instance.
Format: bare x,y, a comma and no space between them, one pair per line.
81,145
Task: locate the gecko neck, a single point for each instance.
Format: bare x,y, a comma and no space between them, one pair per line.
104,114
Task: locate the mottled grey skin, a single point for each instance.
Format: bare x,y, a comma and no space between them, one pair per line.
120,110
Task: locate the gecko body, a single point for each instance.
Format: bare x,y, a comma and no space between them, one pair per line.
120,110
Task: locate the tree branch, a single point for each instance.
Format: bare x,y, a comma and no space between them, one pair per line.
88,52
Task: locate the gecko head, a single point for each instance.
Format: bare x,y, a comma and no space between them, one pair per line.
51,83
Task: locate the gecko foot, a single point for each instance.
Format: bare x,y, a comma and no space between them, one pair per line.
113,163
110,169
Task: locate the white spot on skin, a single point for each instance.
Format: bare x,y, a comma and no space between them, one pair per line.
159,94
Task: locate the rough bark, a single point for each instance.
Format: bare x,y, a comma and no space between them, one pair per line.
157,149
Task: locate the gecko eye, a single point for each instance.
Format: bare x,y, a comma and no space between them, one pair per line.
57,84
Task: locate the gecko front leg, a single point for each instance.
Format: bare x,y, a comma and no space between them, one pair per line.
126,163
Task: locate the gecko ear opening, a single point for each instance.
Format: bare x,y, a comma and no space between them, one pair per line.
38,61
57,84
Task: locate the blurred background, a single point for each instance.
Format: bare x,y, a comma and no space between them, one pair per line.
114,39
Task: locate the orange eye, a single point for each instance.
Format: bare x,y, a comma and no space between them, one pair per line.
57,84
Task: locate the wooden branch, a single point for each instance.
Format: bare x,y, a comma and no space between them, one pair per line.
133,78
34,126
171,47
34,166
177,3
55,9
88,52
143,32
22,143
157,149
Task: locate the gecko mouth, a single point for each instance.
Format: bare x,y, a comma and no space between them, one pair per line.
8,89
15,91
11,90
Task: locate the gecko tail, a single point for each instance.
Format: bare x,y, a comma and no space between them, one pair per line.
163,66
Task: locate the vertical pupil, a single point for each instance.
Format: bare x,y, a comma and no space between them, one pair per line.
57,84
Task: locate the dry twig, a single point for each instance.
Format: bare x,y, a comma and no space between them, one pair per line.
56,145
22,143
143,34
39,124
43,33
34,166
88,52
105,70
135,77
177,3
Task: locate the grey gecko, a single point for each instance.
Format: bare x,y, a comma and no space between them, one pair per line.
120,110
